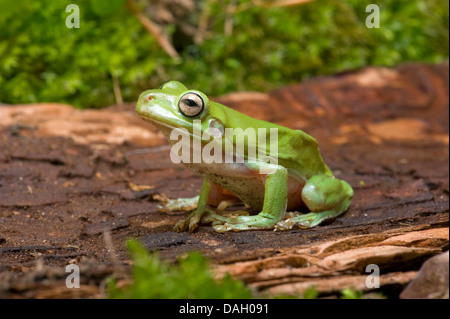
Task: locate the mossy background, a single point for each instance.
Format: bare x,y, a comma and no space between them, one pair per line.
41,60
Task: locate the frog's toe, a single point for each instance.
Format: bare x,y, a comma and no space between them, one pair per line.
187,224
286,224
194,221
221,228
186,204
243,223
252,221
181,225
212,217
305,221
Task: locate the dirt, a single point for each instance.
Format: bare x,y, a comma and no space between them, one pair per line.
67,176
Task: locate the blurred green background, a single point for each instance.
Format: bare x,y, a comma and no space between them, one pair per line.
219,46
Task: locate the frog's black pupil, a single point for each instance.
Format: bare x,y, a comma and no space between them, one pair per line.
190,102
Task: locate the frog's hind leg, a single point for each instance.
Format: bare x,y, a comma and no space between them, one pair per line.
326,196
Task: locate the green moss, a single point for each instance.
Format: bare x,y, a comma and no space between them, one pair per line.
42,60
191,278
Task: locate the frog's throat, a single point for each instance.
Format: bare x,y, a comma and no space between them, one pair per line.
168,126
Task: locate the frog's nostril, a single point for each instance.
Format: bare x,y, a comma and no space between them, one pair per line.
150,97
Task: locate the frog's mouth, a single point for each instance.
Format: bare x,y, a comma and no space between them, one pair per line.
156,122
167,129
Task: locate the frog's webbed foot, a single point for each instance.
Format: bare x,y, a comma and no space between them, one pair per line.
180,204
191,222
207,215
242,223
223,217
186,204
304,221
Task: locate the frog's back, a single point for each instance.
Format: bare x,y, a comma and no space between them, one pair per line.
300,152
297,150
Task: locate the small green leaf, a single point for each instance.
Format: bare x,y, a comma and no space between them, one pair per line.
348,293
311,293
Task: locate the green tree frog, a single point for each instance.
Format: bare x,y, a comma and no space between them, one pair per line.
299,176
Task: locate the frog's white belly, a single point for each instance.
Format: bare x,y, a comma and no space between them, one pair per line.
239,179
246,184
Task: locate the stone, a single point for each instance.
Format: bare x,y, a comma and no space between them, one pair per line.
432,280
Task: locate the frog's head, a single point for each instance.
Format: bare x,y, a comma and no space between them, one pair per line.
173,106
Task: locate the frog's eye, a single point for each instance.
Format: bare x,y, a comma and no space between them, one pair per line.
191,104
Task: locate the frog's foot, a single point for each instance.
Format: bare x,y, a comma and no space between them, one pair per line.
191,222
204,216
222,217
186,204
326,196
305,221
242,223
188,223
181,225
312,219
274,207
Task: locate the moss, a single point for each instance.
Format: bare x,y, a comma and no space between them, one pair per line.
43,60
192,278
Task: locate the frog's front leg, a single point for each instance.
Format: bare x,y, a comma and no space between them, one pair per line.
210,194
194,217
326,196
274,206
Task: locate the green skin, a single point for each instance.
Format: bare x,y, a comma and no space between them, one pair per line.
300,177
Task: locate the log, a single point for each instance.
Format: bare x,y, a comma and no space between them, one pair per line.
67,175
